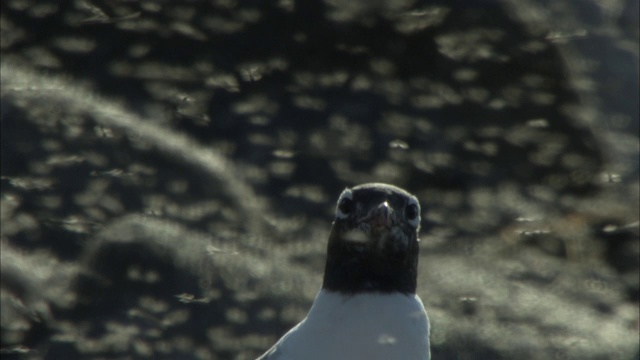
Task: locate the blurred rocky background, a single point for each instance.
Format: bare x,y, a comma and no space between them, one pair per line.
170,170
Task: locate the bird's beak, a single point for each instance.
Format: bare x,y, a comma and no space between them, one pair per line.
381,217
377,223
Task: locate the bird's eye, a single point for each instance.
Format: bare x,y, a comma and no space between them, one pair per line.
411,211
345,206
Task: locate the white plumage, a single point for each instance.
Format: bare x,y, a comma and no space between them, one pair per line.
363,326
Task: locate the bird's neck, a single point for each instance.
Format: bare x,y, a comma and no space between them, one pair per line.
349,271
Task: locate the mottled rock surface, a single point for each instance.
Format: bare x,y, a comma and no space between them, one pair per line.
169,170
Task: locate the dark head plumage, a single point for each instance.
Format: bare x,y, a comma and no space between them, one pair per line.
373,245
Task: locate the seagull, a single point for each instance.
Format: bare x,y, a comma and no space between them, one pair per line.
367,307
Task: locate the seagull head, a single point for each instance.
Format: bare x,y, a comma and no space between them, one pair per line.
373,244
